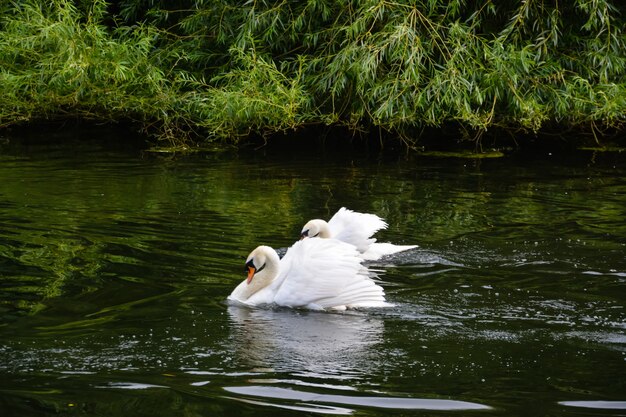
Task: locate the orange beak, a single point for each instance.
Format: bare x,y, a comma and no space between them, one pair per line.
251,272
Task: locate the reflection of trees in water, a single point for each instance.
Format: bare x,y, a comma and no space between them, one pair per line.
303,341
70,226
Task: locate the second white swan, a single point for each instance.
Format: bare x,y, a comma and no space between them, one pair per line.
356,229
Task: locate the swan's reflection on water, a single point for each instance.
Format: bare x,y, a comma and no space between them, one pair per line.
341,345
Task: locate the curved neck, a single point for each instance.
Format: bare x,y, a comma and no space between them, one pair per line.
262,278
318,228
324,231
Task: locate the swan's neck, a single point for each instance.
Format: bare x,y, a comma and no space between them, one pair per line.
324,230
318,228
261,279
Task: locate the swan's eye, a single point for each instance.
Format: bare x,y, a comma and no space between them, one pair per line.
249,264
305,233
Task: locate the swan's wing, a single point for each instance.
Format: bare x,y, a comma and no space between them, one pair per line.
325,273
355,228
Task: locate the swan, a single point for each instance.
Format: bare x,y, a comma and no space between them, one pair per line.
317,274
356,229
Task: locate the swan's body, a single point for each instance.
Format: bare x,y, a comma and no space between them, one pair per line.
314,273
356,229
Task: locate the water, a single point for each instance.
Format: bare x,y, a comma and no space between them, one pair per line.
115,265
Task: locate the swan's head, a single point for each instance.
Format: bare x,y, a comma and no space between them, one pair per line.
258,260
315,228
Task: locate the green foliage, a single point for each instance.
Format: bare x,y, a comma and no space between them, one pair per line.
253,97
223,69
55,63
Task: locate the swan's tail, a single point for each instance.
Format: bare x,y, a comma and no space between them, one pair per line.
378,250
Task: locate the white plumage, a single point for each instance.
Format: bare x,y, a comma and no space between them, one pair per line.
314,273
356,229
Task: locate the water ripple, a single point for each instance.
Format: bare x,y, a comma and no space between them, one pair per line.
130,385
358,401
600,405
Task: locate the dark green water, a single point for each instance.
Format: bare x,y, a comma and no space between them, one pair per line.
115,265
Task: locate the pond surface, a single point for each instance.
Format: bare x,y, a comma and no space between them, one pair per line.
115,265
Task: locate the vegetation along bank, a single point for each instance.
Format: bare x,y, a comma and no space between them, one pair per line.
209,70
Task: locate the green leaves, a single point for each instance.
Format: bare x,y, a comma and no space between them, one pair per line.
253,97
225,69
67,66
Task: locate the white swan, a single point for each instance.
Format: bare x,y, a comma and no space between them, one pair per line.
356,229
314,273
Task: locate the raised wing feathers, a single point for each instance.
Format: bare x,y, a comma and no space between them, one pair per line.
355,228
